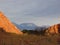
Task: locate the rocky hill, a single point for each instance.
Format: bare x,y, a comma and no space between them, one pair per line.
7,25
55,29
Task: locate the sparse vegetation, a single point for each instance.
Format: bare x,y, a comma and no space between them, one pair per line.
27,39
35,32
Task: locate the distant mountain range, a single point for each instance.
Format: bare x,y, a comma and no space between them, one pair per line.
29,26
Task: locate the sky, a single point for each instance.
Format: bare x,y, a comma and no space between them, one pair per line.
39,12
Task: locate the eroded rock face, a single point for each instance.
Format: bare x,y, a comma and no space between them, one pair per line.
7,25
55,29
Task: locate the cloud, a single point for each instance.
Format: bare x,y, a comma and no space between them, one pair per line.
31,10
45,8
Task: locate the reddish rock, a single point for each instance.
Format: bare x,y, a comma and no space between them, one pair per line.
7,25
55,29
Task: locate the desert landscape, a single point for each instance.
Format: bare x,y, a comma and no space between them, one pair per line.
29,22
11,35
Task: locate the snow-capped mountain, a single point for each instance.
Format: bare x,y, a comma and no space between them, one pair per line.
28,26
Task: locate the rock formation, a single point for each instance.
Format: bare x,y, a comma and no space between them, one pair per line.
7,25
55,29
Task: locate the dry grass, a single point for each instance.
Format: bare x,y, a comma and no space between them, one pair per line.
26,39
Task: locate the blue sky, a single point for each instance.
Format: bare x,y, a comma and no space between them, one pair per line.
39,12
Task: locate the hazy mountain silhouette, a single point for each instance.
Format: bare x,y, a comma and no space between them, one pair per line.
28,26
